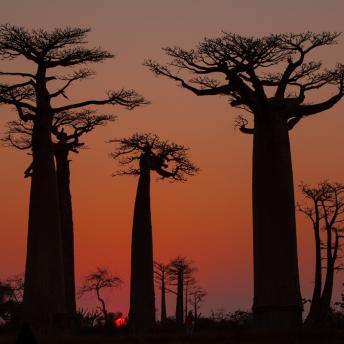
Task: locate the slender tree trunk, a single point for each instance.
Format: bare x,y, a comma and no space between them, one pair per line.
186,302
326,296
277,298
315,303
195,308
163,300
67,229
104,310
142,308
44,294
180,299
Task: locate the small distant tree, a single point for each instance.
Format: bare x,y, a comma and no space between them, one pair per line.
140,155
67,128
96,282
161,279
180,271
189,283
324,206
196,298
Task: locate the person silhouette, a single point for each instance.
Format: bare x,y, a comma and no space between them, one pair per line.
26,335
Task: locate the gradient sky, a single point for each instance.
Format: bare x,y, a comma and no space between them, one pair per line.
208,218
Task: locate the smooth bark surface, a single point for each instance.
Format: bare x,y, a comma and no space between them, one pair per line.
67,229
44,295
44,281
277,299
142,305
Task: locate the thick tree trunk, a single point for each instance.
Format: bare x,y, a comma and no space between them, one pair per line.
67,229
180,299
277,299
315,303
44,295
142,306
163,301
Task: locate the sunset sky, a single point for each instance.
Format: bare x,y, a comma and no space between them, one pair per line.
208,218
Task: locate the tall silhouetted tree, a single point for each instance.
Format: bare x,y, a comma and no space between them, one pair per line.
67,129
141,154
160,276
324,206
196,297
48,51
180,271
270,78
95,282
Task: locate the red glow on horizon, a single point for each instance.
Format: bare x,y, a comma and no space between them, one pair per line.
121,321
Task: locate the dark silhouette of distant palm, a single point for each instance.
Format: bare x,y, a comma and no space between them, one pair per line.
67,129
269,77
140,154
48,52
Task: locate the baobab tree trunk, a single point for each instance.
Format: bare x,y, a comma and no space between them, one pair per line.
67,228
315,303
142,304
326,296
44,294
163,300
277,298
180,299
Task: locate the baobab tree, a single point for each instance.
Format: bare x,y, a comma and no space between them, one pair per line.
67,129
196,297
49,52
269,77
102,278
179,275
324,207
141,154
160,277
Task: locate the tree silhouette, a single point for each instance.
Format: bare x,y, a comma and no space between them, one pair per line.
160,276
196,297
140,154
33,98
180,272
95,282
11,297
270,78
67,129
324,206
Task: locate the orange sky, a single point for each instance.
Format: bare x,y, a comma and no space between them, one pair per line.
208,218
